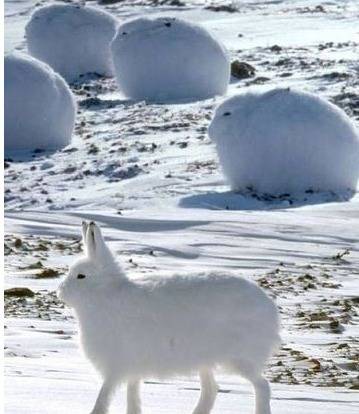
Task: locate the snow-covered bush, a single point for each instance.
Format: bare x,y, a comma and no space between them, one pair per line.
285,141
169,59
73,39
39,106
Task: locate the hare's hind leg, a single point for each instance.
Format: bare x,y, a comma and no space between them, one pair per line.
208,395
104,397
133,397
262,394
253,373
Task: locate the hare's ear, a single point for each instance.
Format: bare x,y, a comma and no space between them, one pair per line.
84,233
96,246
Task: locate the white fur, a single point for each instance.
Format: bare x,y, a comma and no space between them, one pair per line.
72,38
160,327
40,108
285,141
169,60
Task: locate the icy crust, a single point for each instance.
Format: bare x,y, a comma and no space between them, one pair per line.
169,59
73,39
286,141
39,106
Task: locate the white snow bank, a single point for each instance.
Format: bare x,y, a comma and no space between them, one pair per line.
73,39
39,106
169,59
286,141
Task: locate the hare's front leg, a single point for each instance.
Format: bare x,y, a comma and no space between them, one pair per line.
104,397
133,397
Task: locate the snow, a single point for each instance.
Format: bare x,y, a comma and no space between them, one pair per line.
39,106
286,141
149,175
169,59
73,39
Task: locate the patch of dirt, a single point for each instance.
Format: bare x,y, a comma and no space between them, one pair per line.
311,300
42,305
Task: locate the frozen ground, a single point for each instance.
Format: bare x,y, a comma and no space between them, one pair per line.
149,175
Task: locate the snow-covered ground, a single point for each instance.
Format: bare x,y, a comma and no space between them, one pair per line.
150,176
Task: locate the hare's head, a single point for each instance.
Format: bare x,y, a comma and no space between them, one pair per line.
91,273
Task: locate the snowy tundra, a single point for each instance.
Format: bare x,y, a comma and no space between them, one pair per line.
131,330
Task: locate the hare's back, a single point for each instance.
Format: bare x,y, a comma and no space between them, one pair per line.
212,298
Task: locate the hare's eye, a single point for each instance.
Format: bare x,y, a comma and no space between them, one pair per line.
226,114
81,276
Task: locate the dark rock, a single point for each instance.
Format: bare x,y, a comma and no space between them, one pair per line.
319,9
38,151
336,76
228,8
242,70
70,150
47,273
286,74
93,149
275,48
183,144
18,243
20,292
284,62
69,170
258,80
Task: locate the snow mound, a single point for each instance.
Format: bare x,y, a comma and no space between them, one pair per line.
285,141
169,59
39,106
73,39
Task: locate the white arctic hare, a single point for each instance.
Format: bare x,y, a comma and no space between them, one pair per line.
158,327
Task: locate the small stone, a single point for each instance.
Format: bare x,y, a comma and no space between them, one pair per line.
227,8
48,273
242,70
69,170
20,292
275,48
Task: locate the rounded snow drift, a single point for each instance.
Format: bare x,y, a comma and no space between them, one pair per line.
39,106
169,59
72,39
285,141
